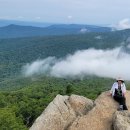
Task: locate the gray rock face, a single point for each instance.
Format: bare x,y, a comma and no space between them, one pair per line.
79,113
80,104
99,118
61,112
121,120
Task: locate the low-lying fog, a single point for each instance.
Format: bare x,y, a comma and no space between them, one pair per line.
102,63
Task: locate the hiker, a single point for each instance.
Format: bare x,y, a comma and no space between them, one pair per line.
118,92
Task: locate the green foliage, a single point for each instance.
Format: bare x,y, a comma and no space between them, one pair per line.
16,52
127,85
24,105
22,100
9,121
28,103
69,89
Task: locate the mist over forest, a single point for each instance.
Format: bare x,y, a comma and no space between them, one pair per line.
34,69
103,63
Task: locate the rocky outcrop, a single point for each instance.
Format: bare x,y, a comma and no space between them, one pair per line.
79,113
100,117
61,112
121,120
80,104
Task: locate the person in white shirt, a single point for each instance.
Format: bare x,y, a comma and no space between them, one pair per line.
118,92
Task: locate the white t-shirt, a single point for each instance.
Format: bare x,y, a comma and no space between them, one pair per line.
115,86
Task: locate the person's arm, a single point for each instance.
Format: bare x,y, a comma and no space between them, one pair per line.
124,94
109,94
111,91
124,90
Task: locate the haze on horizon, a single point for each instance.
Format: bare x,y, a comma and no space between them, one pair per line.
66,11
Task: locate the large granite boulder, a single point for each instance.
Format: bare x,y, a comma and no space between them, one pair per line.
61,112
100,117
79,113
80,104
121,120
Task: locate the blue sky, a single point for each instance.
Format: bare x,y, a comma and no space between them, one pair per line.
66,11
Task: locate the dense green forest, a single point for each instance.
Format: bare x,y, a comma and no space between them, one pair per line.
16,52
22,99
19,108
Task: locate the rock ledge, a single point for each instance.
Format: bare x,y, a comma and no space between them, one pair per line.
79,113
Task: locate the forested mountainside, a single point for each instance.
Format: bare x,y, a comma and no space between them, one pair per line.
20,107
16,52
22,99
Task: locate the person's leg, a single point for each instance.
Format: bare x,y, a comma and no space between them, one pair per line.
117,98
125,107
124,103
121,101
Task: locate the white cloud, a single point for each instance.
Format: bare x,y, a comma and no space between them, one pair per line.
128,46
86,62
98,37
38,67
69,17
20,17
6,17
84,30
83,11
123,24
38,18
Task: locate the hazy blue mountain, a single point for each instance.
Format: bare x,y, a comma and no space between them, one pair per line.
14,31
89,28
23,23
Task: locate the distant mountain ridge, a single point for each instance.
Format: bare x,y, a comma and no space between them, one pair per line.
14,31
4,22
